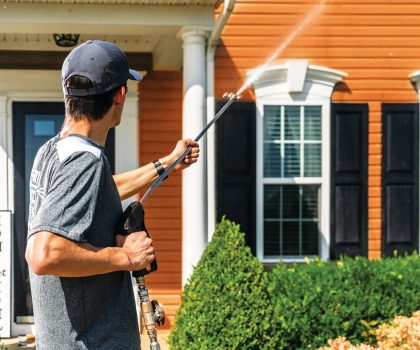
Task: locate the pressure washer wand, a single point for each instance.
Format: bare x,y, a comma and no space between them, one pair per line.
232,98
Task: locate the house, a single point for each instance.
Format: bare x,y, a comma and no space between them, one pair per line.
319,157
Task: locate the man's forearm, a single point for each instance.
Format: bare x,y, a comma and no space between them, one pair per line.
132,182
49,254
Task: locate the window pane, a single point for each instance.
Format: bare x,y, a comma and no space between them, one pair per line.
310,238
44,128
291,220
291,160
290,202
271,160
290,238
272,238
312,155
271,123
310,202
313,124
292,122
271,202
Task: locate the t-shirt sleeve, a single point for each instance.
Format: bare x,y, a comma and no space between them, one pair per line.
69,205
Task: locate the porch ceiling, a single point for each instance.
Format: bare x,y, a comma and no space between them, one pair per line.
134,25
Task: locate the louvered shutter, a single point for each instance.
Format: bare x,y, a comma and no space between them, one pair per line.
235,167
400,178
349,149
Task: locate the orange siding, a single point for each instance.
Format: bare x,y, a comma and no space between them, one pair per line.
374,41
160,128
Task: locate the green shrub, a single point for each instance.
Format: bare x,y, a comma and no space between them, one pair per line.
324,300
224,304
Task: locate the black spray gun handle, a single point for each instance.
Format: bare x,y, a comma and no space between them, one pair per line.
131,221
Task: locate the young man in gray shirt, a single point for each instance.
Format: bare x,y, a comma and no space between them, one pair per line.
79,268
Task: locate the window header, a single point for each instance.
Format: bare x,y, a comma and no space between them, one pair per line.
296,80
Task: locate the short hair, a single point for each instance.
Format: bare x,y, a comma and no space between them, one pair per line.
93,107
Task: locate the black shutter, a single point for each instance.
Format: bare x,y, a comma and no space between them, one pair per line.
400,178
349,150
235,167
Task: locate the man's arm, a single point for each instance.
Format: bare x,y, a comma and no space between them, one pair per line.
51,254
132,182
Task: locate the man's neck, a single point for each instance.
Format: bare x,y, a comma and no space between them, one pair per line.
97,131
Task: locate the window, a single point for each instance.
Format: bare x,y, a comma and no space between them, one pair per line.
293,103
292,170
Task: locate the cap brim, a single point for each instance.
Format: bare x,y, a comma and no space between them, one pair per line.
134,75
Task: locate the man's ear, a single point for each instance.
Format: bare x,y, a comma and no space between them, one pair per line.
120,95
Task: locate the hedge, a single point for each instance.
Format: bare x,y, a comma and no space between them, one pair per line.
224,304
231,303
323,300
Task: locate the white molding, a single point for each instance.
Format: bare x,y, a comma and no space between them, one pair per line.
4,190
279,86
5,273
415,79
273,83
94,19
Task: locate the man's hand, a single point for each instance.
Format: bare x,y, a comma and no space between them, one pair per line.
138,248
190,158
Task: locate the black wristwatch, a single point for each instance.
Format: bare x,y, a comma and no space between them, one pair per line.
159,168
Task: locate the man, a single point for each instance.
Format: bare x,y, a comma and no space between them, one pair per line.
79,268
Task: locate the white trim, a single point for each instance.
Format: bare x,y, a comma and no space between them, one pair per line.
4,190
292,181
274,84
5,273
415,79
98,19
274,87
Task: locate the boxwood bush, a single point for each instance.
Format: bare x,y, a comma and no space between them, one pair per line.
225,302
318,301
231,303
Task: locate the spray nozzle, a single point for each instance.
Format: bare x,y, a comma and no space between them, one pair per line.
231,96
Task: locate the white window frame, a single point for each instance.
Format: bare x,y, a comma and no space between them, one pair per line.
415,79
296,83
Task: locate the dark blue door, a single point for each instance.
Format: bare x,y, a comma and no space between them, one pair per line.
34,123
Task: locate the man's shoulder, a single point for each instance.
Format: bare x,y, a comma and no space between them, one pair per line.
72,145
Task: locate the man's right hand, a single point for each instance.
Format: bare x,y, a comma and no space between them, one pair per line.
138,248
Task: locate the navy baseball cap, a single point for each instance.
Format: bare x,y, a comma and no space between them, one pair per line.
103,63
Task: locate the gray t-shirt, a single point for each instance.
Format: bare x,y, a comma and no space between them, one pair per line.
74,195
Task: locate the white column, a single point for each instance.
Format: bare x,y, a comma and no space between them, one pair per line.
4,192
126,139
194,194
